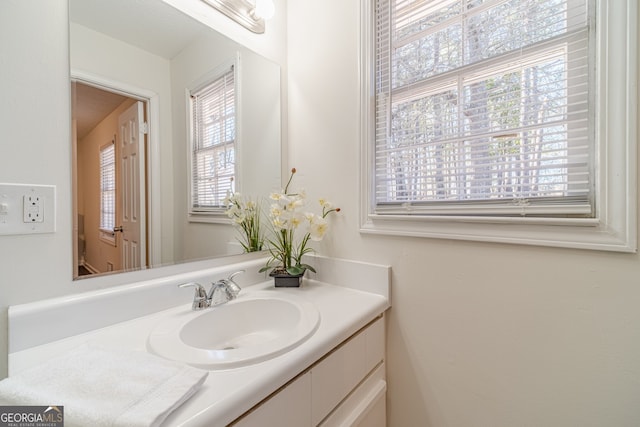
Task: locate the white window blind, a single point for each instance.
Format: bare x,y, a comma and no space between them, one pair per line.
108,188
214,143
483,108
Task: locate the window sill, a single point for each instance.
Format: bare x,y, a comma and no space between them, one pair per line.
108,238
573,233
209,217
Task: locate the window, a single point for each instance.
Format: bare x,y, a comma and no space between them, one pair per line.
484,121
108,192
213,143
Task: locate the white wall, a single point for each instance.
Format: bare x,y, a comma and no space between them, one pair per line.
35,147
479,334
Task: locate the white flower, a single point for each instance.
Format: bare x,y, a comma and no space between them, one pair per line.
275,210
295,203
245,214
324,203
286,215
295,221
318,228
278,224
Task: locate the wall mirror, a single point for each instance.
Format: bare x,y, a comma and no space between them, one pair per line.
132,64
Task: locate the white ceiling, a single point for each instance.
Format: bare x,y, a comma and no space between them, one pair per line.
92,105
151,25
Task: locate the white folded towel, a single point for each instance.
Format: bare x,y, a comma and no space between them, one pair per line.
100,387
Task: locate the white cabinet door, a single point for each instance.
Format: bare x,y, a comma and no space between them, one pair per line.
338,374
333,378
365,406
291,407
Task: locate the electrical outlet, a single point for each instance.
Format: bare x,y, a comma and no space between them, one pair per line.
32,208
27,209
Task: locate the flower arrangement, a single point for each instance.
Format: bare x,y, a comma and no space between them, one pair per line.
246,216
287,216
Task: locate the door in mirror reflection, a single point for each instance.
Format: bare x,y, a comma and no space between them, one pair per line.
132,186
109,147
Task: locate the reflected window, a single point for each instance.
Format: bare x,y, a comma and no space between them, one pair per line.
213,142
108,192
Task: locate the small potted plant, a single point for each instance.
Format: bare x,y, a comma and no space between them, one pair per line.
245,214
291,230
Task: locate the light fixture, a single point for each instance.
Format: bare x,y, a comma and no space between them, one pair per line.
264,9
251,14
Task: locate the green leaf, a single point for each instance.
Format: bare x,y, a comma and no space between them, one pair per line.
265,268
308,267
294,271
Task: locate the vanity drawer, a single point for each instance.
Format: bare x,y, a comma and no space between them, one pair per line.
290,407
365,406
340,372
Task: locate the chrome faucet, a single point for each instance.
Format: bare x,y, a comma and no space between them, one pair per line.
221,292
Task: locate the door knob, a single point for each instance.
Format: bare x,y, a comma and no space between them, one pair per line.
117,229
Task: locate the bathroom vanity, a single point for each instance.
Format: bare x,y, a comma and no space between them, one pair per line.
333,376
344,388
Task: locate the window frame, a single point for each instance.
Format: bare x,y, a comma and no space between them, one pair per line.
217,214
613,228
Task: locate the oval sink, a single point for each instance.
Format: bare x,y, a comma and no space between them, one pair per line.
253,328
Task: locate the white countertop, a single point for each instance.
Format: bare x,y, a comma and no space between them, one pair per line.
229,393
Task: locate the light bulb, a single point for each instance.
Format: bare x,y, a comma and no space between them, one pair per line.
265,9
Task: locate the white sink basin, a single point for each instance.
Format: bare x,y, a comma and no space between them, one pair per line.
253,328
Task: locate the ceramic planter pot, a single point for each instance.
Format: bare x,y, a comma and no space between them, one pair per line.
286,280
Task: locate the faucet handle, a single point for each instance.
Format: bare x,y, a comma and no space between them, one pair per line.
200,300
232,275
233,286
